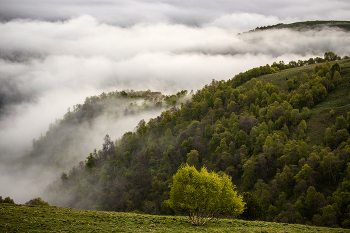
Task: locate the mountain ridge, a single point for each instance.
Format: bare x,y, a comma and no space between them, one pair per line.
308,25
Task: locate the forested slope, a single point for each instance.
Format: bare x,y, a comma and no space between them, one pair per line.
258,127
65,143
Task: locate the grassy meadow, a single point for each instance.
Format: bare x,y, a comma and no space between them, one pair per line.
30,218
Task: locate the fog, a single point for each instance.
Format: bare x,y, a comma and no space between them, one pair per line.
22,182
129,12
53,54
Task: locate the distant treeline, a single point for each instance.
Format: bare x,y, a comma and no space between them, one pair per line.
307,25
276,67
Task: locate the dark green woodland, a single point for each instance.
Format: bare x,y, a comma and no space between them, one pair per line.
281,132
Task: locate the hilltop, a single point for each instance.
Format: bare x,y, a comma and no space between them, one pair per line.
308,25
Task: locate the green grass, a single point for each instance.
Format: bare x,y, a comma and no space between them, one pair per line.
280,79
23,218
320,118
338,100
339,97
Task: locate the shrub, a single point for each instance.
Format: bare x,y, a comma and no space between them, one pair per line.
37,201
6,200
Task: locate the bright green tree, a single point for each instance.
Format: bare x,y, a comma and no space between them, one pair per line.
301,129
203,195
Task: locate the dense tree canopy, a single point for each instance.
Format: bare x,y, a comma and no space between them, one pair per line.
273,135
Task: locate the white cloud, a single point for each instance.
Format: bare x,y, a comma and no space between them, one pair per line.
244,21
130,12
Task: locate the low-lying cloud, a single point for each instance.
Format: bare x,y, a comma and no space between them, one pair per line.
22,182
82,53
60,63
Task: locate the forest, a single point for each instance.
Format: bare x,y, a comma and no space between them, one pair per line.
265,128
62,144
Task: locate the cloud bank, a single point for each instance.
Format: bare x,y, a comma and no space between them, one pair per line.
130,12
59,63
82,54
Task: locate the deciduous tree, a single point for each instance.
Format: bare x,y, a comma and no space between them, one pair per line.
203,195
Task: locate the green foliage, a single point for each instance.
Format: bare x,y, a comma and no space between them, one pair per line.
90,161
329,217
340,123
64,142
248,176
192,158
290,84
253,208
303,174
317,24
330,56
302,129
6,200
37,201
203,195
275,142
331,113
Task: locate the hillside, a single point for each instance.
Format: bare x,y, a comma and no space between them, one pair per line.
69,140
307,25
23,218
319,118
259,128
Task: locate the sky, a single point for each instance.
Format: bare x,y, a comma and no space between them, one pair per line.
54,53
244,14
